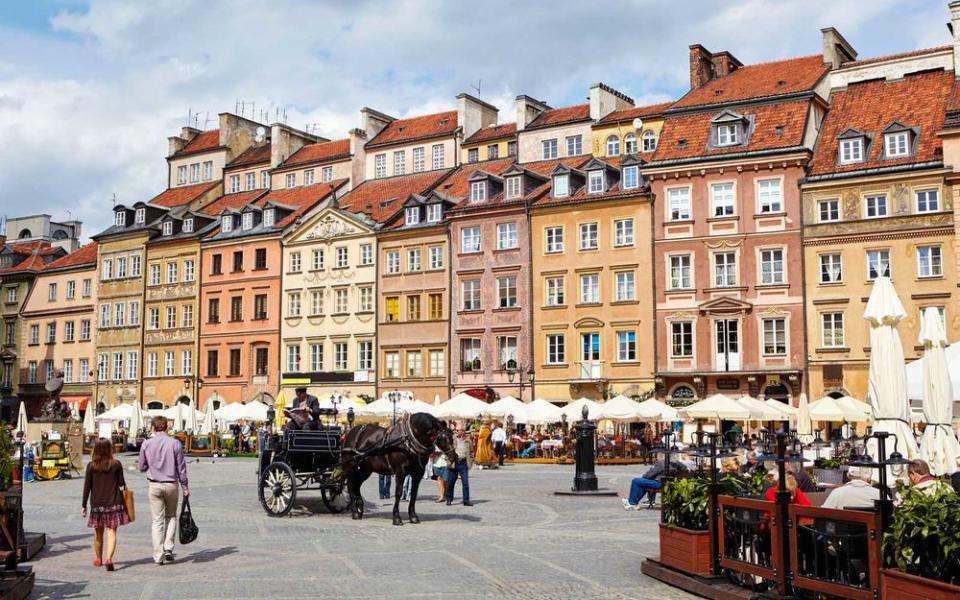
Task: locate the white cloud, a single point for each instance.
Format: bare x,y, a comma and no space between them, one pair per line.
86,105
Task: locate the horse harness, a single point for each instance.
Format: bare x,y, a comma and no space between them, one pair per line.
406,440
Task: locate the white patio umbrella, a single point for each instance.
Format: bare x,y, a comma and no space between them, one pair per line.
254,411
804,423
508,405
415,406
784,407
230,412
759,411
178,415
192,417
844,408
462,406
654,410
717,406
887,378
209,422
915,370
136,422
541,412
22,418
89,424
382,408
621,408
574,410
120,412
939,445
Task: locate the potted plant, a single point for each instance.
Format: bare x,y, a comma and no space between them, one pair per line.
922,547
828,471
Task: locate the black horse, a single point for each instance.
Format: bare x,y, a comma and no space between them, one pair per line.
400,450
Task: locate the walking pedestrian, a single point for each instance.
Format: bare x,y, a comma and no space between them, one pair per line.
103,487
499,437
385,486
464,451
440,474
161,457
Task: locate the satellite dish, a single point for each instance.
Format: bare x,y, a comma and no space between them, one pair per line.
637,123
261,133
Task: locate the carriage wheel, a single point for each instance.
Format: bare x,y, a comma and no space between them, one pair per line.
278,489
335,497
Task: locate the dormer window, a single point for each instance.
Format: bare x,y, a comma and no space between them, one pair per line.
247,221
851,150
595,182
226,223
268,217
140,215
168,228
728,135
561,186
514,187
896,144
188,225
434,213
631,177
120,218
478,191
412,215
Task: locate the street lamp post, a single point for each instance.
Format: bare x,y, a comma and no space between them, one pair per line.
518,373
394,397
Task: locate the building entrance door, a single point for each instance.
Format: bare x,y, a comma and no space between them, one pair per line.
728,344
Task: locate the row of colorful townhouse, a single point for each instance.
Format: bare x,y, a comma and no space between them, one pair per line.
722,242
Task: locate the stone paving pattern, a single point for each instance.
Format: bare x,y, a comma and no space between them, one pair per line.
518,541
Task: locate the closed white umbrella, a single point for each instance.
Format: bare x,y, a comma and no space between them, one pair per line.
136,422
804,422
22,418
654,410
179,416
717,406
462,406
508,405
574,410
939,445
541,412
209,422
89,424
191,419
887,378
621,408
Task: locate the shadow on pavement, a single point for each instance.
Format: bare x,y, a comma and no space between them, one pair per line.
50,552
46,589
210,555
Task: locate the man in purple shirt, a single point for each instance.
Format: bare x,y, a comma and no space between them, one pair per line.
161,457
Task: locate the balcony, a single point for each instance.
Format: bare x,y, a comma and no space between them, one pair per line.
590,370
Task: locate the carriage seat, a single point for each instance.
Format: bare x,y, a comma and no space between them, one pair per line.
326,439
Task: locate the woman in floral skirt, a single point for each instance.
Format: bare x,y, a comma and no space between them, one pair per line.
103,487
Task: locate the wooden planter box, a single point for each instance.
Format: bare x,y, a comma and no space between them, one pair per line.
895,584
685,550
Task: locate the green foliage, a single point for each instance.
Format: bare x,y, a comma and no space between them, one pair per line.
924,539
685,500
6,458
826,463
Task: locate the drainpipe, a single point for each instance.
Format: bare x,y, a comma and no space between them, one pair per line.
529,266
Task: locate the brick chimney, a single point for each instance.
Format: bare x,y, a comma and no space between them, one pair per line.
285,140
954,27
701,66
724,63
358,156
604,100
528,109
474,114
837,50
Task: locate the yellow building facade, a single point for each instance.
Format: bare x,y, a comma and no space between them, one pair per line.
617,133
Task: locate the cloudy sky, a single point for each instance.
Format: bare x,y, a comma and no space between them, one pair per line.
90,90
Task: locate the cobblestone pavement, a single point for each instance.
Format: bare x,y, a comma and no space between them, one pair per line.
519,540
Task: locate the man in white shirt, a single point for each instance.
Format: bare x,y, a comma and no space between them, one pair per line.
856,493
499,439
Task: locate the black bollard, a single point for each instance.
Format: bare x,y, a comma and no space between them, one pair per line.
585,479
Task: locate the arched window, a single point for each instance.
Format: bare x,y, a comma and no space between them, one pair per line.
613,146
649,141
25,233
60,234
101,407
630,144
154,405
777,391
683,393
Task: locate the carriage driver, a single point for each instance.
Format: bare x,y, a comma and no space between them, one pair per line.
302,401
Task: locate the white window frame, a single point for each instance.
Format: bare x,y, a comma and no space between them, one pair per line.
434,212
561,186
851,150
548,149
613,145
507,236
478,191
682,336
929,261
554,291
589,238
436,257
553,239
832,207
723,199
831,266
773,275
779,336
437,153
556,350
596,182
631,177
625,286
770,201
380,165
832,322
879,252
470,234
590,288
419,163
931,200
678,204
680,271
623,233
872,203
514,186
896,144
725,270
574,145
411,215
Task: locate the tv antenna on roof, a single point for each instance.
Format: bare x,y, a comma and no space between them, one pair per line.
477,87
114,198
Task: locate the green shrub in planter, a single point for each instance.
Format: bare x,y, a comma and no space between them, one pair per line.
826,463
685,500
924,539
6,459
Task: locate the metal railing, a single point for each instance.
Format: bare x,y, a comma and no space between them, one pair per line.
750,536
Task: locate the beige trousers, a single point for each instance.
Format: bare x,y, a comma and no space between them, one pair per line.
163,509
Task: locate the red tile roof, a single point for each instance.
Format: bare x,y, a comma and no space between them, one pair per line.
383,197
458,185
234,201
251,156
493,132
178,196
408,130
207,140
322,151
85,255
629,114
910,54
561,116
918,100
35,251
761,80
300,198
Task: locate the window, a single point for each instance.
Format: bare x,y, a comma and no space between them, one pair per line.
68,331
71,290
51,333
774,337
470,239
471,294
52,292
121,267
561,186
188,270
727,135
308,177
574,145
290,180
649,141
589,237
506,236
104,321
106,272
152,364
681,339
771,267
171,272
32,372
132,365
596,182
236,308
511,148
293,304
119,310
721,195
623,232
414,363
438,158
380,166
68,371
393,262
626,346
507,292
140,216
135,265
556,351
631,178
87,289
153,318
207,170
630,143
436,257
548,149
316,302
120,218
418,162
171,322
473,155
413,259
316,263
366,299
493,151
831,268
235,184
259,259
851,150
237,261
436,306
590,288
134,312
294,262
768,191
613,146
246,221
399,162
929,261
269,217
725,269
680,272
554,291
85,330
507,351
876,206
251,181
434,212
293,358
194,172
831,330
103,362
226,223
168,364
829,210
188,225
326,174
265,180
216,266
341,303
625,286
392,308
343,257
316,357
679,203
260,307
366,254
84,370
213,363
896,144
391,364
554,238
181,174
928,201
213,310
365,356
412,215
478,191
437,363
340,356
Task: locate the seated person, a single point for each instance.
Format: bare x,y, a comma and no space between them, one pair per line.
651,481
918,472
855,493
803,479
796,494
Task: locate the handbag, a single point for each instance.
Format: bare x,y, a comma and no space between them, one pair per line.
128,504
188,529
